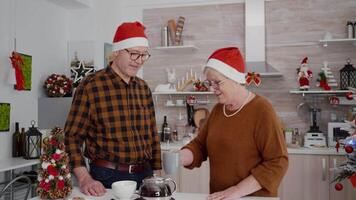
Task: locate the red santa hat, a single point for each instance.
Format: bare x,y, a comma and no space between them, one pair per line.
129,34
229,62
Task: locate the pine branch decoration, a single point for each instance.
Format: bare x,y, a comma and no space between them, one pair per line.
54,179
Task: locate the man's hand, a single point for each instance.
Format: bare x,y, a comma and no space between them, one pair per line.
87,184
91,187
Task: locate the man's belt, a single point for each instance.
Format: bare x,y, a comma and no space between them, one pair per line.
133,168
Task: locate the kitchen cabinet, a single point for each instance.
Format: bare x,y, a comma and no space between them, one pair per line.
309,177
192,181
306,178
195,180
348,192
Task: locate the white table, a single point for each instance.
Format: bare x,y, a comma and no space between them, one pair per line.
8,166
176,196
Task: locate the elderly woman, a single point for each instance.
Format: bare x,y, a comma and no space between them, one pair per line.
243,137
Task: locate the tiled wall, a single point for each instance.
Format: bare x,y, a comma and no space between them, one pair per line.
293,29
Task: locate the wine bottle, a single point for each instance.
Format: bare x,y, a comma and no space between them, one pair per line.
22,143
16,140
164,125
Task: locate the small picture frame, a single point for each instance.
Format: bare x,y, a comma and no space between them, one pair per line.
5,117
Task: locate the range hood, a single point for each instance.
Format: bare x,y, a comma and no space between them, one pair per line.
255,40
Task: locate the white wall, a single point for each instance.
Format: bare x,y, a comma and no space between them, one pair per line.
41,30
108,14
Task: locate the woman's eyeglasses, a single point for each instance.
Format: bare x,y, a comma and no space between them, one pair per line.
214,84
134,56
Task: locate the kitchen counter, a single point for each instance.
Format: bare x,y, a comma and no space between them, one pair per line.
177,196
300,150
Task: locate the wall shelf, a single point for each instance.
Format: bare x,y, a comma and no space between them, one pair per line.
316,92
175,49
338,41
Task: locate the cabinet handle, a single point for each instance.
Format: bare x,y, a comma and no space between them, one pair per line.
323,166
334,167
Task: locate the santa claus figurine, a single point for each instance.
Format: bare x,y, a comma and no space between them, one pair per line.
304,75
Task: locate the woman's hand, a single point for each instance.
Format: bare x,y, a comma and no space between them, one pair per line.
186,157
230,193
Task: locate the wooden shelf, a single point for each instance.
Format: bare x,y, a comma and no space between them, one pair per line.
180,93
181,49
338,41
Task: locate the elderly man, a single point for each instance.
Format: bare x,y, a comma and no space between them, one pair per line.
113,114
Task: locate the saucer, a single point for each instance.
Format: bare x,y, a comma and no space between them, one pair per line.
141,198
133,197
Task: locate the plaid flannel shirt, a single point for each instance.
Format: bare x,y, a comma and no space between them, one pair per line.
115,120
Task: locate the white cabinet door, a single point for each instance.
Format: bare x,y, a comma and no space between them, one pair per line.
307,178
348,192
196,180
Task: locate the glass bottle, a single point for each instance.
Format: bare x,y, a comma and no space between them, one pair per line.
16,141
164,125
22,143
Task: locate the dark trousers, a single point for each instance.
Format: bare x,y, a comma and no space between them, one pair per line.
108,176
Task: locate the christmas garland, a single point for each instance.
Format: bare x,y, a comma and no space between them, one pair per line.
57,85
54,175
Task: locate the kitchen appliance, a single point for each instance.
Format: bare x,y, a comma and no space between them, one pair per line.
314,138
336,132
157,188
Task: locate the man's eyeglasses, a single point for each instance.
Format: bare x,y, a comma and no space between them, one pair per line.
135,55
215,84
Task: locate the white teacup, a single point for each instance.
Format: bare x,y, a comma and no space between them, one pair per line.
171,162
124,189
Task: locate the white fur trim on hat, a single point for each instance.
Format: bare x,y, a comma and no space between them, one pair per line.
130,42
226,70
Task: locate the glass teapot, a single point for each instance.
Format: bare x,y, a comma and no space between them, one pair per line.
157,188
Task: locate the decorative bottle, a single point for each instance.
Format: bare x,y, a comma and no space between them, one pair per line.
16,141
164,125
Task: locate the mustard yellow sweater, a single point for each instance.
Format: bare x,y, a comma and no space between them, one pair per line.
250,142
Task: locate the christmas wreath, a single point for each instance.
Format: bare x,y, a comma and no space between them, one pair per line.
54,175
58,86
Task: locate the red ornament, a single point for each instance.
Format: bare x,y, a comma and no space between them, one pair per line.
44,185
53,142
52,170
353,180
60,184
349,96
56,156
338,186
349,149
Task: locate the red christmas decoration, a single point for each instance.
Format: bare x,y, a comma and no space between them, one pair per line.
54,175
17,64
253,77
338,186
57,85
349,149
304,75
349,96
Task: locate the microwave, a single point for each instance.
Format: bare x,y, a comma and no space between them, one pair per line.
336,132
